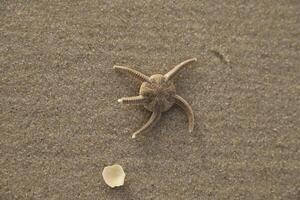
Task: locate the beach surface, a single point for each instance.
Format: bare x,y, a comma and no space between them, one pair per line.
61,124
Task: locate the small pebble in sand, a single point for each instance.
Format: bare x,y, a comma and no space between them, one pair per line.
114,175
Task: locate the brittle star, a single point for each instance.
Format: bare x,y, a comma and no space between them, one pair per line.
157,94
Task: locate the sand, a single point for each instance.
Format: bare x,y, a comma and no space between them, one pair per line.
61,124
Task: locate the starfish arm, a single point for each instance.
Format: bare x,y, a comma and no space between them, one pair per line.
133,100
155,116
136,74
187,109
173,72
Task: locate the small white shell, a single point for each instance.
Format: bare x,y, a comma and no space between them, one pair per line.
114,175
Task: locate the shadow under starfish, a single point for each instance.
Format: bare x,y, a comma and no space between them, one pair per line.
157,94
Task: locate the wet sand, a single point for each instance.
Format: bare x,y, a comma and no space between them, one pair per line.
61,124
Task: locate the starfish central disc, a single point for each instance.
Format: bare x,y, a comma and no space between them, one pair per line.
159,92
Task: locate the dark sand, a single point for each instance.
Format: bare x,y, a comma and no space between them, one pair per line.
60,121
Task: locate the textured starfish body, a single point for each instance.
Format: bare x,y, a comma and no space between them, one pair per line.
157,94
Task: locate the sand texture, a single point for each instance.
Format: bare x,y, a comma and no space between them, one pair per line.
61,124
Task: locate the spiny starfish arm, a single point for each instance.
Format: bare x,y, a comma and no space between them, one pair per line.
187,109
155,116
136,74
173,72
133,100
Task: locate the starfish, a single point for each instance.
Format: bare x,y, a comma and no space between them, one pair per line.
157,94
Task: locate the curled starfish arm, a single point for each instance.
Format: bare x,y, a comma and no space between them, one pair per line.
136,74
155,116
187,109
133,100
173,72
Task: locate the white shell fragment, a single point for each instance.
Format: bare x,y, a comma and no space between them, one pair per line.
114,175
